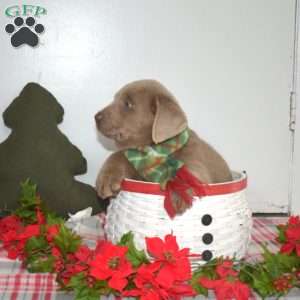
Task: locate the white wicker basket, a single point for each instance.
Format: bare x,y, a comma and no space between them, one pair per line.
216,225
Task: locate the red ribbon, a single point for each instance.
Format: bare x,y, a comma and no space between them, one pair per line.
182,184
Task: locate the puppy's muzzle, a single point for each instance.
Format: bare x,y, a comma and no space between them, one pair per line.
107,129
98,118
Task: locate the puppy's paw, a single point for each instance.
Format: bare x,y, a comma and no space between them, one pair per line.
108,184
179,205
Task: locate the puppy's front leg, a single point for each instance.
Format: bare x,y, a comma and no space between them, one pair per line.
114,170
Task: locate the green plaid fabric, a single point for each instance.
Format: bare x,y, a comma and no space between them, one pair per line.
155,163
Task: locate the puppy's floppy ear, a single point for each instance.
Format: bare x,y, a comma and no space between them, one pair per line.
169,119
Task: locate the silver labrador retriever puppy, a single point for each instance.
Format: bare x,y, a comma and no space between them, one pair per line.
142,113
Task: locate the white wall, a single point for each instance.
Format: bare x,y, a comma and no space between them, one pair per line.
228,63
295,184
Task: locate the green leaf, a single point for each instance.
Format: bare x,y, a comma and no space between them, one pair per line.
262,281
28,193
207,270
77,280
66,240
201,290
28,202
258,276
36,244
83,291
38,255
279,263
135,256
263,287
86,293
40,264
281,233
246,272
52,219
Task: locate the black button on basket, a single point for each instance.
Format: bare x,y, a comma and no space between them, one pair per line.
207,238
207,255
206,220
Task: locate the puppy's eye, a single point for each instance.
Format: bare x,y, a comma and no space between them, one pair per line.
128,104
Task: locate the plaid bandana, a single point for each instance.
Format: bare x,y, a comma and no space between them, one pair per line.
155,163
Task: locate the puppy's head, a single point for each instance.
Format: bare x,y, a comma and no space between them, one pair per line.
142,112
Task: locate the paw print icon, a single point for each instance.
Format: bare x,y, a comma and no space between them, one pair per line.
24,32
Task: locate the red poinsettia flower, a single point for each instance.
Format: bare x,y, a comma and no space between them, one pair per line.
227,288
9,226
182,290
71,268
294,220
154,282
227,285
59,260
72,264
111,264
14,240
9,223
9,236
52,231
29,232
14,248
168,280
84,254
82,258
175,262
283,283
40,216
12,253
225,268
55,251
66,273
147,285
292,235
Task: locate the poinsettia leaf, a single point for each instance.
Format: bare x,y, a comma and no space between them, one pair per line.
259,277
36,243
135,256
207,270
263,284
27,216
245,274
281,233
52,219
28,192
83,291
77,280
201,290
125,238
261,288
40,264
28,202
66,240
279,263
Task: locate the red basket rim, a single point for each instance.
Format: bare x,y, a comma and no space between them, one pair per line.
135,186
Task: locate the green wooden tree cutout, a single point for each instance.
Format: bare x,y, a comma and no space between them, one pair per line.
38,150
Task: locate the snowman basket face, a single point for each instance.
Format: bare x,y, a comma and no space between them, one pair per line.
218,224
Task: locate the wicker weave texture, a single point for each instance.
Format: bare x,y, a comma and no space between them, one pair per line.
228,234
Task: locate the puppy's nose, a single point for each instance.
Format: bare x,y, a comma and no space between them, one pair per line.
98,117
